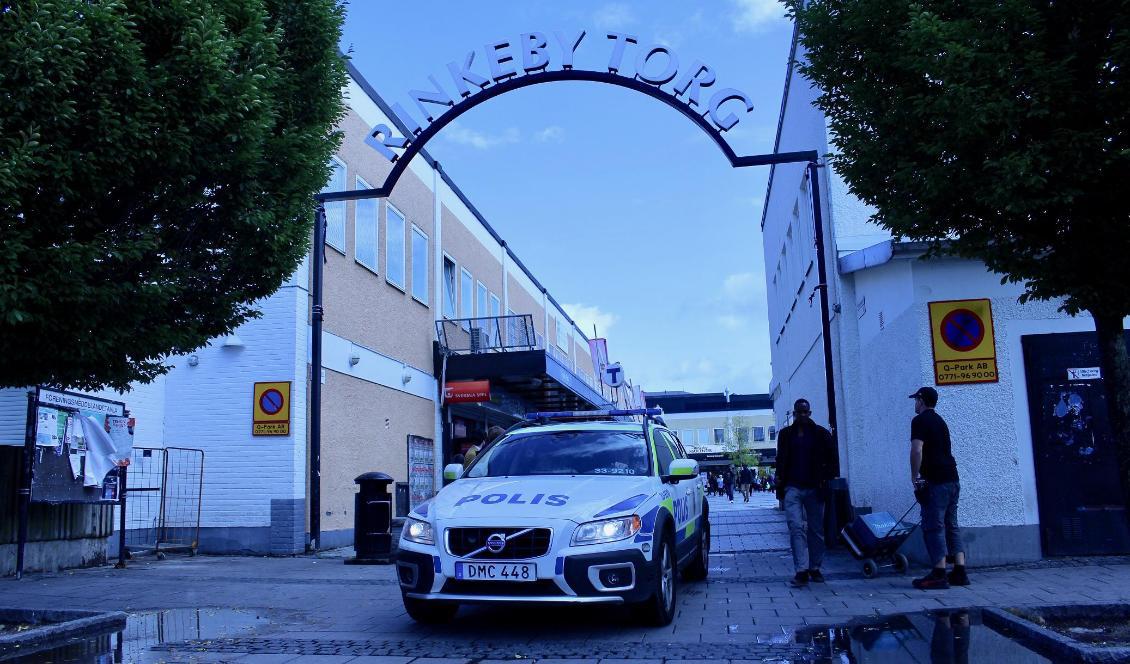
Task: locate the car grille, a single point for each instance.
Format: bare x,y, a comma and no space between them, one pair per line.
539,588
462,542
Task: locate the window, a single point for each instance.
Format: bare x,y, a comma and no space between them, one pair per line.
495,312
664,453
365,229
466,297
448,287
759,434
772,432
562,335
564,453
702,438
719,436
688,436
394,247
482,310
335,210
420,264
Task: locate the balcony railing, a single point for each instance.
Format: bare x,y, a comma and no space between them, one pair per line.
487,334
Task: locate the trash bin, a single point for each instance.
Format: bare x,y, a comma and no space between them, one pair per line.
838,511
372,519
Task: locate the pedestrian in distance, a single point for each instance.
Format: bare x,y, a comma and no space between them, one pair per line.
728,481
718,484
745,481
933,472
806,460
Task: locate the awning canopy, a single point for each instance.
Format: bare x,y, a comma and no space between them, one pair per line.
532,375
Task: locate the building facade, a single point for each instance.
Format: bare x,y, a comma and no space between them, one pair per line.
420,293
714,425
1033,448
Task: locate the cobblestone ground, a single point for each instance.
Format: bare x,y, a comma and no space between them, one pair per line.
319,610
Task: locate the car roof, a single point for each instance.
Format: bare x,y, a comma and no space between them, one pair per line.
580,425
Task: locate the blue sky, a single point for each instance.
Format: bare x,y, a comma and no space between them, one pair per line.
623,208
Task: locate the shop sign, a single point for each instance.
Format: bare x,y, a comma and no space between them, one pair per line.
686,85
1085,373
468,391
270,409
961,333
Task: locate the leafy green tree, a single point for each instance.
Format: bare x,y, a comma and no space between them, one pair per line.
738,445
998,131
157,163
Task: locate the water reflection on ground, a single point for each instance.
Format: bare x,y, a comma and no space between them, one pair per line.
144,631
938,637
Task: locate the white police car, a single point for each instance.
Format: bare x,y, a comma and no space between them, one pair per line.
561,510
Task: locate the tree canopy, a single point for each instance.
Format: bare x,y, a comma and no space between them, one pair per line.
157,167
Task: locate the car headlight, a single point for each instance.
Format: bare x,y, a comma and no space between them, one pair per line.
418,531
606,530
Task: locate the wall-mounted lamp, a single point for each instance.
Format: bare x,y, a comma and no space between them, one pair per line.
193,360
354,358
232,341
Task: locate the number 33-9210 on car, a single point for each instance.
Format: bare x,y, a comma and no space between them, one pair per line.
562,510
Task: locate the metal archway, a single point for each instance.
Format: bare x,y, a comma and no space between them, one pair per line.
413,147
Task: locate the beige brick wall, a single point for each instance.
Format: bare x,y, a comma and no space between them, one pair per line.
521,302
469,253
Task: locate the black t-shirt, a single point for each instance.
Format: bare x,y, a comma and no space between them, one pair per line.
938,464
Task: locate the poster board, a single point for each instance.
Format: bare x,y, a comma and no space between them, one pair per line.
421,470
66,466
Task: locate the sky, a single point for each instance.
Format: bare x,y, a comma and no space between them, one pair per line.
622,208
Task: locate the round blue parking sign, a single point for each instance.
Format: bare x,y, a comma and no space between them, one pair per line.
271,402
962,330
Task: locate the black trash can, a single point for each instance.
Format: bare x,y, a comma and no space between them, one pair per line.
372,520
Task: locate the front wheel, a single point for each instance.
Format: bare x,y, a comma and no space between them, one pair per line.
870,569
428,612
700,568
659,609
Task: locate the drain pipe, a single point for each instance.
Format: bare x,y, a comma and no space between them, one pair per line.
318,257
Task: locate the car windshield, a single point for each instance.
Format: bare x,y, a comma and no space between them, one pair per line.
564,453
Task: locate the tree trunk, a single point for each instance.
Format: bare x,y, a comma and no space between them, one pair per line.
1115,364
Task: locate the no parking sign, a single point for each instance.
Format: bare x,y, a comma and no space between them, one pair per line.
965,349
271,409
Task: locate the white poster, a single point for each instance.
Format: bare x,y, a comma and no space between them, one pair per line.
47,428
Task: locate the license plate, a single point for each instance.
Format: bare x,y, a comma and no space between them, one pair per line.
472,571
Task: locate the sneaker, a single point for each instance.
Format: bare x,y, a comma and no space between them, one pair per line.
958,577
800,580
932,582
815,576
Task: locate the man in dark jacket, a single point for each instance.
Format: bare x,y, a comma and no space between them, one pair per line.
806,460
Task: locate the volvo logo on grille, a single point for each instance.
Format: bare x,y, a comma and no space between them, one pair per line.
496,542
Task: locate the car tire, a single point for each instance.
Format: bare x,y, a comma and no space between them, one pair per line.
658,610
700,566
430,612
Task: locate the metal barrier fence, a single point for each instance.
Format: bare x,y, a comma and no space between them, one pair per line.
163,499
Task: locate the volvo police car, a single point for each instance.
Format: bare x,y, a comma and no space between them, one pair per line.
561,510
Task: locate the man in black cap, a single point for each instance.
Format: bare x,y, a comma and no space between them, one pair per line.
806,460
933,471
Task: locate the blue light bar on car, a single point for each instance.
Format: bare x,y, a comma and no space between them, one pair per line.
562,414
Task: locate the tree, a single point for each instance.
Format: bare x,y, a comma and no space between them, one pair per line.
998,131
739,447
157,163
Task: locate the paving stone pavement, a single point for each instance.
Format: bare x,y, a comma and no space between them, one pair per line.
315,609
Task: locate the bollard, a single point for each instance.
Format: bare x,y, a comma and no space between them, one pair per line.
372,520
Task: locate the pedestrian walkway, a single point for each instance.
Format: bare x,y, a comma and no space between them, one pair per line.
754,526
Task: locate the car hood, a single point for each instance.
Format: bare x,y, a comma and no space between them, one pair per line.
578,498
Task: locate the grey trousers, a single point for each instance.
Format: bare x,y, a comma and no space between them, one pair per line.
939,521
804,511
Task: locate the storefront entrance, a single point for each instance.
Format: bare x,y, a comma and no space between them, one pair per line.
1080,500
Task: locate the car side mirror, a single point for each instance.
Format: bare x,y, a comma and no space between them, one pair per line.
452,471
682,469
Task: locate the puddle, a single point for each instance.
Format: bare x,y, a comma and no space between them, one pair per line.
936,637
143,631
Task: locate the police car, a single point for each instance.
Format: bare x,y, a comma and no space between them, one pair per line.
575,507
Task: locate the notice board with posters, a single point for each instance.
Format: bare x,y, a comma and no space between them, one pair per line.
76,443
421,470
964,343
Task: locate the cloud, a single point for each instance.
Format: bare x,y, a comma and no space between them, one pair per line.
457,133
743,289
613,15
551,134
586,316
756,15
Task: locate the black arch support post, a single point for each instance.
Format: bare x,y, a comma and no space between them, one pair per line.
318,258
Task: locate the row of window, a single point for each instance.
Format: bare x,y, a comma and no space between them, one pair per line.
367,237
748,434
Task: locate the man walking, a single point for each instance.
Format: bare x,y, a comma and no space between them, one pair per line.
745,481
806,460
933,471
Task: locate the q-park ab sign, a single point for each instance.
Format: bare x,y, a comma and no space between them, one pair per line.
270,408
965,350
